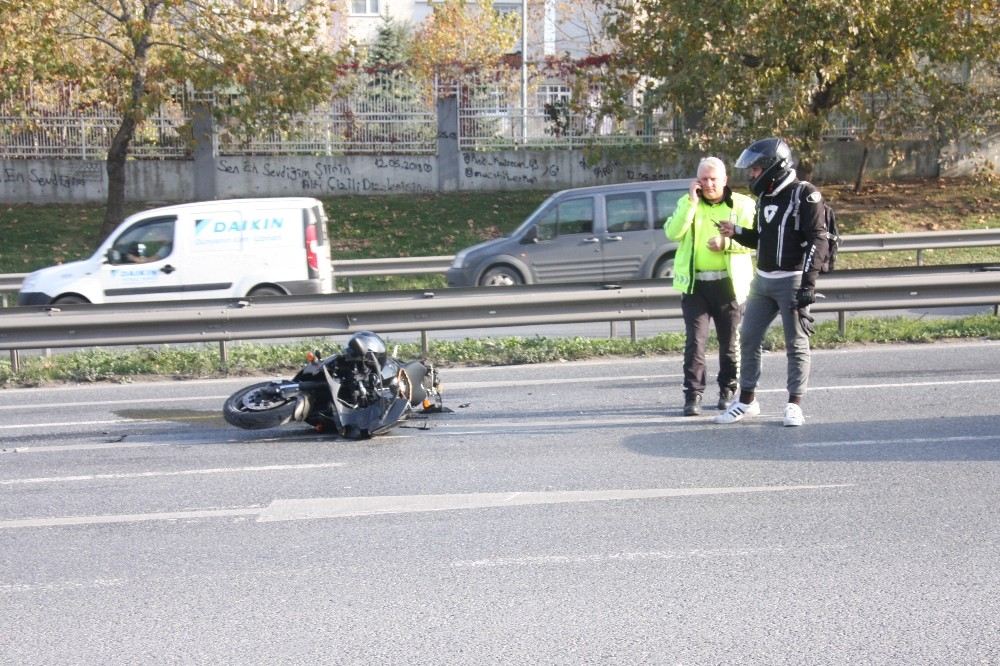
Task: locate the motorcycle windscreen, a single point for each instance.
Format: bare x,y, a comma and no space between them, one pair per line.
361,422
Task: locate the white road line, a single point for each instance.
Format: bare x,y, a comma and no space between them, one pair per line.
340,507
68,521
130,401
73,424
78,447
148,475
695,553
913,440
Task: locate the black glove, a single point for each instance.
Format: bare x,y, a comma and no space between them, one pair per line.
807,321
804,298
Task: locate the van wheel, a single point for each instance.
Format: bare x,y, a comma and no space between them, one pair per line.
69,300
266,292
664,269
500,276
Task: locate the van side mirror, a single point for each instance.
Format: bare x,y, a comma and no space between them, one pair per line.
530,236
114,256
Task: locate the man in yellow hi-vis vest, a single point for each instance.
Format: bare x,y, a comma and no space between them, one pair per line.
713,273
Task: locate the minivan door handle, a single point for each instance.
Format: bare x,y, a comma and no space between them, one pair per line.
592,239
613,238
168,269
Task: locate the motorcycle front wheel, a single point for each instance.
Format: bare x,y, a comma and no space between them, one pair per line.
256,407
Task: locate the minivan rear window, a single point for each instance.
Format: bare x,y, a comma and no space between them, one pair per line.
664,203
626,212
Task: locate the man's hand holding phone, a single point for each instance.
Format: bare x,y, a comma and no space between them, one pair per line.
694,191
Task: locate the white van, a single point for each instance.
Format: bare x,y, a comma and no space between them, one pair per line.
208,249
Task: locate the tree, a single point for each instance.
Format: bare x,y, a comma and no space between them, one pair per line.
134,54
465,34
392,44
28,46
737,69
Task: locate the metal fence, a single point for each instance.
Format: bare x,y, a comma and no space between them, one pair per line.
370,112
65,128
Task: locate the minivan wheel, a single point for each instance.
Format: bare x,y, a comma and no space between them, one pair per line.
500,276
664,269
69,300
266,292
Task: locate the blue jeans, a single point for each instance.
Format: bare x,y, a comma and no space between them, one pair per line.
768,298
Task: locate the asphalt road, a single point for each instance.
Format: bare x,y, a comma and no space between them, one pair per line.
559,514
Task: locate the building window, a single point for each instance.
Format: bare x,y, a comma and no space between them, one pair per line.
553,94
364,6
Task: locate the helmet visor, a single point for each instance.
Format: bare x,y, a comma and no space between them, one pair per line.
751,157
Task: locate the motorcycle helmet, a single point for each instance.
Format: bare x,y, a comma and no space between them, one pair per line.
364,342
773,156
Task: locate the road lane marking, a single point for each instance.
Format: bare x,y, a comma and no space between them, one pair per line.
203,398
911,440
342,507
184,472
480,384
68,521
74,424
694,553
77,447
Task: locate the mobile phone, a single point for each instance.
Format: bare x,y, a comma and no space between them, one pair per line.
697,193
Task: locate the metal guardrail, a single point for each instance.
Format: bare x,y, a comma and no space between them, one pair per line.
388,312
919,241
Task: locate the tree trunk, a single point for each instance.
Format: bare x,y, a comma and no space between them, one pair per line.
861,171
114,211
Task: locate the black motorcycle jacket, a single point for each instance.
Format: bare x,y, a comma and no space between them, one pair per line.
788,223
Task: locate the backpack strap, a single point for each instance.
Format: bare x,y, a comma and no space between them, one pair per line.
796,199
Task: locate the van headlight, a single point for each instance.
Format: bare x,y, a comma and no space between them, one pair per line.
459,260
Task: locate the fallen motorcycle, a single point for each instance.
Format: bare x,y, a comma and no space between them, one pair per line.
360,392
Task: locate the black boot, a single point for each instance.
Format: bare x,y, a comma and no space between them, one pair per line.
692,405
725,398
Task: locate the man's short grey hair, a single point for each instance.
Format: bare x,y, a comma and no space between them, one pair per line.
713,163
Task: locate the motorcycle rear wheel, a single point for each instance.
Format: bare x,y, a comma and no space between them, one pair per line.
251,408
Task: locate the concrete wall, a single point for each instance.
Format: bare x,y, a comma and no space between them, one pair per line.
77,181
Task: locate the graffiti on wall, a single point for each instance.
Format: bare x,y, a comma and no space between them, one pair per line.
373,175
15,175
502,168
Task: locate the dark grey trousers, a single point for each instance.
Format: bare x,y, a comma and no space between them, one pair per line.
715,301
770,297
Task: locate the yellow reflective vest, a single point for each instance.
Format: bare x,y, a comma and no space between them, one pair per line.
691,229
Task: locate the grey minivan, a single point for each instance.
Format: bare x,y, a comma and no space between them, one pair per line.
588,234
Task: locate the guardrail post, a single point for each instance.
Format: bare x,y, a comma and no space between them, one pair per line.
920,257
842,323
15,364
425,348
223,355
632,331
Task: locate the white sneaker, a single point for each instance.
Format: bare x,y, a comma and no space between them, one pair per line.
737,411
794,415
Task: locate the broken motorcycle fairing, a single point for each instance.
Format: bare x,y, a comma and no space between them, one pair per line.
360,392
